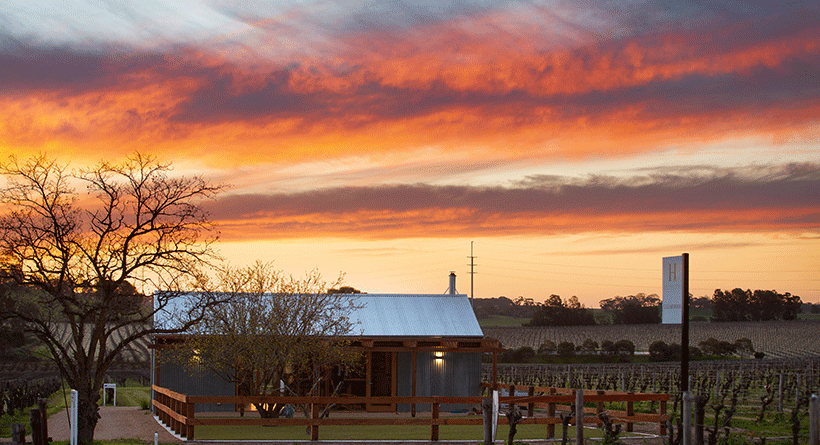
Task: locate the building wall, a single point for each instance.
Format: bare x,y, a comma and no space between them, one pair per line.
194,380
454,374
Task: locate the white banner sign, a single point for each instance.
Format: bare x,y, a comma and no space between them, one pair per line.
672,305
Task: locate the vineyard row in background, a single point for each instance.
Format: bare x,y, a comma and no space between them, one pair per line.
777,339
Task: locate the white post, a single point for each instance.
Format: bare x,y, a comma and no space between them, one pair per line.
495,412
687,418
156,438
579,416
73,417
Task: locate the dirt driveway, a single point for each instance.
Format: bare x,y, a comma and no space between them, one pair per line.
120,422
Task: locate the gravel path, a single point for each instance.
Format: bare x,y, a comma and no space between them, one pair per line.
120,422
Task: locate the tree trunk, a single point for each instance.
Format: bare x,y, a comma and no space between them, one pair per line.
87,413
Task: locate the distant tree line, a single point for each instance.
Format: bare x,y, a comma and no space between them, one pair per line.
519,308
621,350
760,305
734,305
659,351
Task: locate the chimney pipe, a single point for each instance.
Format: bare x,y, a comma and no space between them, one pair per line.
452,283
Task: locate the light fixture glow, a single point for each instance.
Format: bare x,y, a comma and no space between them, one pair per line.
438,354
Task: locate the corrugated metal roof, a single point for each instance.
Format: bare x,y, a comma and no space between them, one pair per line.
393,315
409,315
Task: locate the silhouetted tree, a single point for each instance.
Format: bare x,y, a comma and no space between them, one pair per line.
634,309
72,254
760,305
554,312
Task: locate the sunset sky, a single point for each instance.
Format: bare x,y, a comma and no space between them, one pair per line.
575,142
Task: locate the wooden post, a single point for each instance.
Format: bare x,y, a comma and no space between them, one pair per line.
662,423
314,427
814,418
41,403
36,422
18,433
413,383
495,369
434,427
530,405
551,413
579,417
600,406
174,423
189,415
630,411
487,411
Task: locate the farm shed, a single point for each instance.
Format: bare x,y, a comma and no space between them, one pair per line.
412,344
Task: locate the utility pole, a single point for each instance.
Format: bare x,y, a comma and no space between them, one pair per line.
472,270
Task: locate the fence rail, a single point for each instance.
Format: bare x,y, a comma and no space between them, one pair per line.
178,410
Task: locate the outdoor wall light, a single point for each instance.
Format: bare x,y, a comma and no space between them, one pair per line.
438,355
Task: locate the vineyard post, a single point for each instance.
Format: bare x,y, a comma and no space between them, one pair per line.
814,428
687,418
579,417
551,413
780,394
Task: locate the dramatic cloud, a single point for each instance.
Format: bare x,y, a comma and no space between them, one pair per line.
414,75
784,199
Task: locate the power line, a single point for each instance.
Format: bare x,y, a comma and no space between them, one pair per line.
472,269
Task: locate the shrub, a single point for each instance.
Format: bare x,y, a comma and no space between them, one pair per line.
659,351
548,347
566,348
589,345
625,347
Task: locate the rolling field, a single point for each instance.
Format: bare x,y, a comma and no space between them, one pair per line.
778,339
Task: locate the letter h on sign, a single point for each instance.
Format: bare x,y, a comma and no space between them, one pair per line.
673,271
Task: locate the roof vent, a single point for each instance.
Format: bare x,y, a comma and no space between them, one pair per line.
452,289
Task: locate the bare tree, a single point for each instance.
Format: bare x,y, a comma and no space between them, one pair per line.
276,334
73,258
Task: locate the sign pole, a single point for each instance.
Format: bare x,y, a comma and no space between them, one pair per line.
684,356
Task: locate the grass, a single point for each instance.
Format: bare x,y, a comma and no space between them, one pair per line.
377,432
130,395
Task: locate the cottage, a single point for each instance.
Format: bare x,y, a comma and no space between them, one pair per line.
413,345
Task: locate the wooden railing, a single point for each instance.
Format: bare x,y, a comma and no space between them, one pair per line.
627,416
177,410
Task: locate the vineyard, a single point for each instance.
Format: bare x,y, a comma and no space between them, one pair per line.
132,363
760,398
777,339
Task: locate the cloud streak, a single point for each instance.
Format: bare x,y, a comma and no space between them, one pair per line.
786,200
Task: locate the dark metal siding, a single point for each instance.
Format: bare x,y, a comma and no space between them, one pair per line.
455,374
195,380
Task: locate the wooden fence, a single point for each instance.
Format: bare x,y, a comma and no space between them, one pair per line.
177,410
